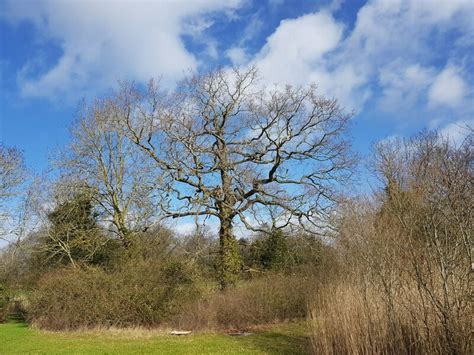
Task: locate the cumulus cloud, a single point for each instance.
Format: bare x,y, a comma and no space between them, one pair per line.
388,54
448,89
403,85
103,41
365,61
297,46
456,132
237,55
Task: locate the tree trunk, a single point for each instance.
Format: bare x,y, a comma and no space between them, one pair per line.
229,261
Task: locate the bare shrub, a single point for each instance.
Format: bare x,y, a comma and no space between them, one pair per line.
268,299
137,295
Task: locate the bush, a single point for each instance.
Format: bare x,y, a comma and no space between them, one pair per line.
298,253
4,303
12,304
268,299
136,295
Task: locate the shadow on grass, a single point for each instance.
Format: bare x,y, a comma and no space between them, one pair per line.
18,321
278,343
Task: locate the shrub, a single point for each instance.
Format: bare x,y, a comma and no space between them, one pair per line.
270,252
4,303
268,299
12,304
136,295
298,253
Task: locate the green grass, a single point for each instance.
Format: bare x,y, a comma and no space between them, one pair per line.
18,338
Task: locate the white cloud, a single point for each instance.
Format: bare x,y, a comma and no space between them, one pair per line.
103,41
388,30
296,46
106,40
187,225
237,55
301,51
457,131
448,89
402,27
403,85
356,64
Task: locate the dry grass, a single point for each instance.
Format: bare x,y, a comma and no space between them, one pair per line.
113,332
351,319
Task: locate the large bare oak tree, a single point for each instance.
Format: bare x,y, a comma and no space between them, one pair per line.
230,149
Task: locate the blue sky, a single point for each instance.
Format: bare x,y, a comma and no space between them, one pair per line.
401,66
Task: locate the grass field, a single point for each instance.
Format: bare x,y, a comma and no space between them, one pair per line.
18,338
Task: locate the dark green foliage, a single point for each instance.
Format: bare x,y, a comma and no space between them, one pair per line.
4,302
268,252
280,252
73,235
274,254
74,215
11,305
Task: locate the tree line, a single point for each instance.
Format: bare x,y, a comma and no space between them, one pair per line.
219,146
222,148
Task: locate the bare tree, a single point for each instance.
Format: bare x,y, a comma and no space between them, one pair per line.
109,164
12,175
231,150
